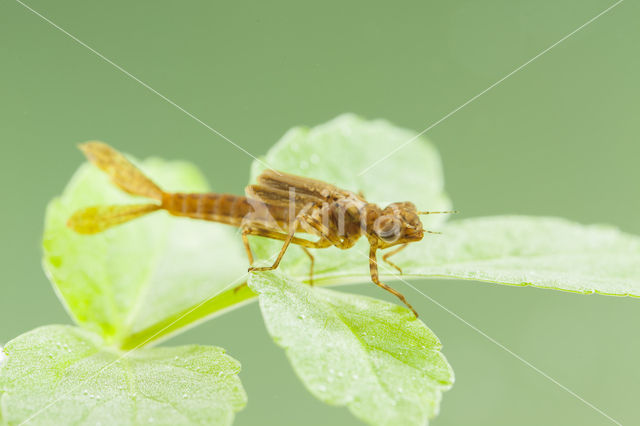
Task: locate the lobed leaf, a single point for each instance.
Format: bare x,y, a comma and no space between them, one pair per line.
156,275
65,375
543,252
540,251
124,280
518,250
372,356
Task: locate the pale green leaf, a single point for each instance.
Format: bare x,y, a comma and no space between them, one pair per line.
372,356
539,251
64,375
543,252
123,281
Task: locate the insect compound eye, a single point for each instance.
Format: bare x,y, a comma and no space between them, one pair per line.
388,228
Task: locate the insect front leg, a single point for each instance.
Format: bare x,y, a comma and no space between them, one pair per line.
326,233
386,256
373,269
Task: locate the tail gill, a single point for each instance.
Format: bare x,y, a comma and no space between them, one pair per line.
127,177
121,171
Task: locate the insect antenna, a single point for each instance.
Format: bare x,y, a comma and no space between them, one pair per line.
443,212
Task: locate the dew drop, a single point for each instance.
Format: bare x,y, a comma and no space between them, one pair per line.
185,396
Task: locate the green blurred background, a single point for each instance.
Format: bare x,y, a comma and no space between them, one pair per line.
557,138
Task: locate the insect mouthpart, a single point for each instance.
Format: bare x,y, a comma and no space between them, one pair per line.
413,233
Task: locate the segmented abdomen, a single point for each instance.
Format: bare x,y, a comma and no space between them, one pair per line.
224,208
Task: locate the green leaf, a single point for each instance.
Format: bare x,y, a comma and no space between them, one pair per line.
539,251
543,252
126,280
519,250
68,374
372,356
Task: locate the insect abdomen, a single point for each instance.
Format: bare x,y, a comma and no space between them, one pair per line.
224,208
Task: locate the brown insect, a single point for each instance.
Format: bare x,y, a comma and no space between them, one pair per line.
279,206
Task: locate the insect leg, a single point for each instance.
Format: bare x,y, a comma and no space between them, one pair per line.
386,256
312,261
303,243
373,268
247,247
286,244
325,233
262,232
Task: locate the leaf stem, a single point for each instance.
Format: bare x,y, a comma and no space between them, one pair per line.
187,318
